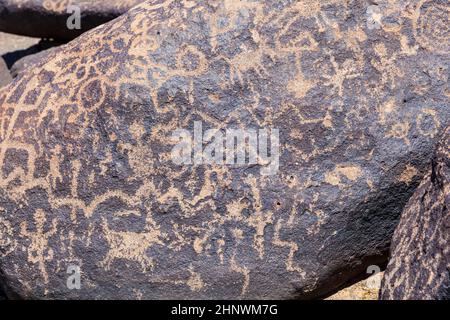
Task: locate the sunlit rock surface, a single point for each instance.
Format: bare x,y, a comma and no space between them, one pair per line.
358,93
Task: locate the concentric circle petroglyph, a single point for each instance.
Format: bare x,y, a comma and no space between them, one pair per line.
433,26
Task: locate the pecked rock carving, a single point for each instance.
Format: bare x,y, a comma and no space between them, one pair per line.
419,267
87,177
48,18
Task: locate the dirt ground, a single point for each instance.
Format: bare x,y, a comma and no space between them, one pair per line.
10,43
363,290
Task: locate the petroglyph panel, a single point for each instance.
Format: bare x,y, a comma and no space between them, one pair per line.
85,149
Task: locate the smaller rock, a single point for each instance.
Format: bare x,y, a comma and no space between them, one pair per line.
5,76
19,60
54,18
419,267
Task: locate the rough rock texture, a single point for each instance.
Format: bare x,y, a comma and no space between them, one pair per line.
85,148
48,18
19,60
29,61
419,267
5,76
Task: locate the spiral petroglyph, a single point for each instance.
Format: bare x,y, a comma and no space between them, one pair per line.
433,28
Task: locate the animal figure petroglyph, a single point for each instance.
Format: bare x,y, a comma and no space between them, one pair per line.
130,246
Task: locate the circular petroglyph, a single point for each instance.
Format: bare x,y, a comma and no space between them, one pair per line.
191,60
428,123
92,94
432,27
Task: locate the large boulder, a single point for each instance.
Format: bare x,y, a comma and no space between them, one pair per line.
48,18
92,186
419,267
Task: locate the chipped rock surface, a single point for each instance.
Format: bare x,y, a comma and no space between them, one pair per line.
87,177
49,18
420,254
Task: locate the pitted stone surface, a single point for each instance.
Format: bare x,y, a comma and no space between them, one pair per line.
48,18
419,267
85,148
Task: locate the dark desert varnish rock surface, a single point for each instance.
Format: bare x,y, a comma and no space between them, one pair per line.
419,267
48,18
359,95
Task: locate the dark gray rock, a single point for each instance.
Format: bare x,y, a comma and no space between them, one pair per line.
419,267
48,18
2,294
359,96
